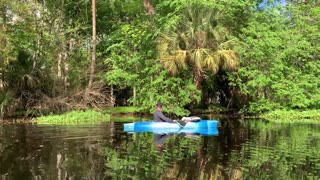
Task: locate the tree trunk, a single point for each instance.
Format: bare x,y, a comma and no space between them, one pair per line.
113,99
94,41
198,77
3,42
66,77
59,65
1,82
134,95
62,49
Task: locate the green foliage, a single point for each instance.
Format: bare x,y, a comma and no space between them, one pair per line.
174,93
6,101
134,64
198,42
280,58
45,52
75,118
212,109
293,116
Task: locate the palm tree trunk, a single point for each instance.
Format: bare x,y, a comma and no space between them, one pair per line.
94,41
198,77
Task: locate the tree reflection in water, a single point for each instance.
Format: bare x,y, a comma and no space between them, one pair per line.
243,150
46,152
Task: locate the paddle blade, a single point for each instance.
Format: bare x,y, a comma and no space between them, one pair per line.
181,123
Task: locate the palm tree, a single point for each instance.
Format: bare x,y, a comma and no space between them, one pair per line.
199,42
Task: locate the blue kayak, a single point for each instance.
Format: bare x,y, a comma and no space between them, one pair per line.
206,127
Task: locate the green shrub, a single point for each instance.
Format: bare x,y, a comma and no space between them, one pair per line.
293,116
75,118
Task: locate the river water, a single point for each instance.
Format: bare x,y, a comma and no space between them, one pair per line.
243,149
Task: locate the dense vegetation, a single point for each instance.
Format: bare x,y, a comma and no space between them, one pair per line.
75,118
247,55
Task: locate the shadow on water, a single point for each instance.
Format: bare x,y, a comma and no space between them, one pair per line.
243,149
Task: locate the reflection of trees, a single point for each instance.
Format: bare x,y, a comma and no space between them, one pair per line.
78,162
243,149
140,159
182,158
13,144
251,149
280,152
28,151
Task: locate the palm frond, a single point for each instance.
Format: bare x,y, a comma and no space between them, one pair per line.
174,62
168,36
186,40
196,57
229,44
199,40
219,32
169,64
180,58
229,59
163,48
212,62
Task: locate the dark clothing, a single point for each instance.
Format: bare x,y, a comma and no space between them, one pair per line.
160,138
159,117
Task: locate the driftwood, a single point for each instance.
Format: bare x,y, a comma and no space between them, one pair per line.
39,103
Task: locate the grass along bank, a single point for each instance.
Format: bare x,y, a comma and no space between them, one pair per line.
293,116
75,118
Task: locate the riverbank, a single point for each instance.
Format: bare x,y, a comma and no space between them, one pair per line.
117,114
131,114
75,118
292,116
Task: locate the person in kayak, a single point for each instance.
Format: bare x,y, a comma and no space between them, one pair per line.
158,115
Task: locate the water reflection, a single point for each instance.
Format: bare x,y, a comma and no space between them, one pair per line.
246,149
44,152
159,140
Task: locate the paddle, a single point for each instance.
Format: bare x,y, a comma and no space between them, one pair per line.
180,123
185,120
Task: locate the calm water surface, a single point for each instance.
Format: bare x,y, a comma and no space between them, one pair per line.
244,149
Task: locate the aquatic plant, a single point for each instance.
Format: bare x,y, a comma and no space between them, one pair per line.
75,118
293,116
